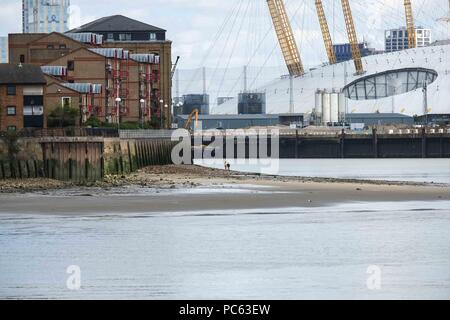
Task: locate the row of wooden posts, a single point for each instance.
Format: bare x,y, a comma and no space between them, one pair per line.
89,159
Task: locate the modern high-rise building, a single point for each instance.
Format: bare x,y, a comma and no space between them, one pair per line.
3,49
45,16
397,39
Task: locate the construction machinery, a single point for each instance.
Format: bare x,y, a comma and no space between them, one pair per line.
174,67
353,39
285,37
325,32
412,42
195,113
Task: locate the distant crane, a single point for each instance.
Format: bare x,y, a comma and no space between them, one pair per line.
325,32
353,39
174,67
412,42
285,37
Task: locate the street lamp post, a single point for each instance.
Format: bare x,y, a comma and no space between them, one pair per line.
161,112
166,106
118,101
142,101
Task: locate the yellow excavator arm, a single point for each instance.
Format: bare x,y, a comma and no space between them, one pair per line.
195,113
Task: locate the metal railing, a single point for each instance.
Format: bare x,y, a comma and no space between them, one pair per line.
145,134
69,132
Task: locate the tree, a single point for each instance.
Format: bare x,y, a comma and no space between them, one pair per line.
63,117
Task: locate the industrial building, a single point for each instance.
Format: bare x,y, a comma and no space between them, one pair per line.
343,52
135,75
45,16
22,91
193,102
252,103
242,121
397,39
378,119
3,49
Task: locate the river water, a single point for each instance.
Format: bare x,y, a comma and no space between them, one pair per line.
413,170
290,253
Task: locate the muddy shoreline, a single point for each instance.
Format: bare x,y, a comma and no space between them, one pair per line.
173,177
182,176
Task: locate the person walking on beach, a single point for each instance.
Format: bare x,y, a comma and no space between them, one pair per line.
228,166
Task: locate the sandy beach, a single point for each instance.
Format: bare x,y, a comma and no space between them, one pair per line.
189,188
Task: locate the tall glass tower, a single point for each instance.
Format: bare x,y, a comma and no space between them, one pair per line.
3,49
45,16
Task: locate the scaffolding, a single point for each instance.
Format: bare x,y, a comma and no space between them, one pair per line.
146,83
117,82
88,92
86,37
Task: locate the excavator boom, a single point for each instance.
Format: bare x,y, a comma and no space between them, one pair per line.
325,32
195,113
285,37
412,43
353,39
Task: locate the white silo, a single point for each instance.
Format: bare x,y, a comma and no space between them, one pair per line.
319,103
326,105
334,107
342,106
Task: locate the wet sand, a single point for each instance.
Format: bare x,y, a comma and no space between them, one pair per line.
192,188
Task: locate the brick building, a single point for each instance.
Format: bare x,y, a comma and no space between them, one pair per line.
128,59
22,90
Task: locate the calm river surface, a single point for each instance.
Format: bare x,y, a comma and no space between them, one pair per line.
293,253
416,170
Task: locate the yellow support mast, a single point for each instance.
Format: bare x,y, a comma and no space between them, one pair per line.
412,42
285,37
325,32
353,39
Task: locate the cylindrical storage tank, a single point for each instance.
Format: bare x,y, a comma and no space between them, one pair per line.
319,104
334,107
342,106
326,105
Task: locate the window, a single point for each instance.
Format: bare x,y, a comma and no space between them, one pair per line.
62,46
11,90
22,58
11,111
152,36
27,110
12,128
110,37
65,102
50,46
125,37
71,65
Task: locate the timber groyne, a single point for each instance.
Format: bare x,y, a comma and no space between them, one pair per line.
82,159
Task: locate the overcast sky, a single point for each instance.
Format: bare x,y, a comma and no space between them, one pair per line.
247,37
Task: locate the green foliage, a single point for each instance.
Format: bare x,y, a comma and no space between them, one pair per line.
11,140
63,117
93,122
